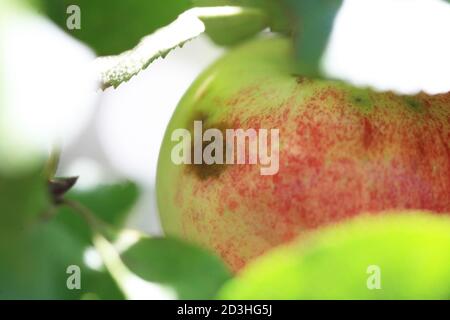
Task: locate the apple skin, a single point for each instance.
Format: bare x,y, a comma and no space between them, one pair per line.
343,151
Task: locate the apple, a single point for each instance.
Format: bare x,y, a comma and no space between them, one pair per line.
397,255
342,150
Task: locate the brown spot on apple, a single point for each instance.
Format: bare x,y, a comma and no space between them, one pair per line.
204,171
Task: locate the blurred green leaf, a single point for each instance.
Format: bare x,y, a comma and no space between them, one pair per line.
35,253
111,27
237,3
37,267
34,265
230,30
410,253
273,12
22,199
115,70
27,269
110,203
312,22
278,16
191,271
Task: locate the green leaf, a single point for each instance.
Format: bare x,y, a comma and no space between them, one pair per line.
34,265
34,252
273,12
110,203
111,27
22,199
313,22
236,3
37,268
191,271
278,13
404,255
232,29
117,69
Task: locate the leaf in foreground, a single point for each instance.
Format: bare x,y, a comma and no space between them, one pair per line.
193,272
110,27
114,70
313,22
